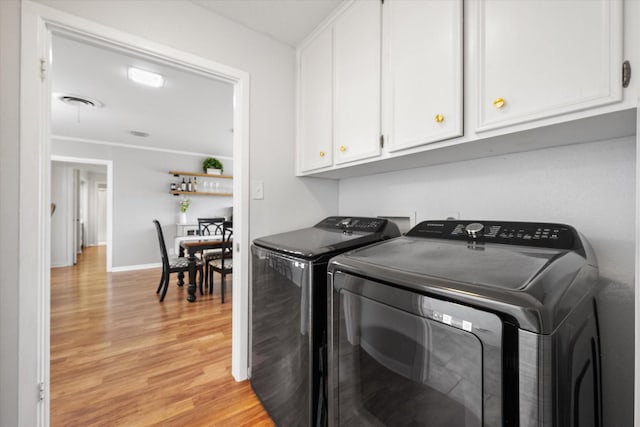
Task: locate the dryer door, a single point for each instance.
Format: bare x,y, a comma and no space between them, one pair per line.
400,358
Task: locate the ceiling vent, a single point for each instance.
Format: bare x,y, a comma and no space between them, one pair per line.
139,133
78,101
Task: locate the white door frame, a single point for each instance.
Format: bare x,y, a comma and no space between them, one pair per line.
109,166
34,254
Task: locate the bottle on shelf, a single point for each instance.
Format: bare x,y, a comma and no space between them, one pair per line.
173,186
183,185
195,184
189,185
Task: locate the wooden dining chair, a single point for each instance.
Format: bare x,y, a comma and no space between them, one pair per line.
173,265
223,264
209,227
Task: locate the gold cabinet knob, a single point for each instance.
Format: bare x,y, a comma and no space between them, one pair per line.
322,154
499,103
343,148
439,118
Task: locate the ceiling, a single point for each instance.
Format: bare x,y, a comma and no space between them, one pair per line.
191,112
288,21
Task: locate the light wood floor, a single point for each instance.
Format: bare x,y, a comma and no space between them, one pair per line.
121,358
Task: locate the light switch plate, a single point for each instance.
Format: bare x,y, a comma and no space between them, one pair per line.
257,190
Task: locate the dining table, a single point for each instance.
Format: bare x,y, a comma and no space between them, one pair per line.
193,238
190,248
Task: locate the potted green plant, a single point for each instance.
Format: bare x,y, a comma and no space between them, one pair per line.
212,166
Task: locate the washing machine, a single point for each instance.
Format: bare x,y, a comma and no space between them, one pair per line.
288,313
466,323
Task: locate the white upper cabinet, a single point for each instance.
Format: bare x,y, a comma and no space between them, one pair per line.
356,103
315,86
537,59
422,72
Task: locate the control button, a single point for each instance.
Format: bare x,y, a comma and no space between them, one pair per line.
474,229
554,237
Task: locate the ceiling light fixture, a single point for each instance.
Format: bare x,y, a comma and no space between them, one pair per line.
144,77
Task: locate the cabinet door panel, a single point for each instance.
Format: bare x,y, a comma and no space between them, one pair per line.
545,58
423,71
357,82
315,109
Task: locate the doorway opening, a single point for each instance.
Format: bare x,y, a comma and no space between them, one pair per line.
81,192
38,24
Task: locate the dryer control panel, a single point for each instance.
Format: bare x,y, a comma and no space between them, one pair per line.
546,235
352,223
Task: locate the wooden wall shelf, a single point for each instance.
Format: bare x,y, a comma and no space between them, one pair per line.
200,193
204,175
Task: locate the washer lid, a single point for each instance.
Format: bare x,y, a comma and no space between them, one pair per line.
330,236
499,266
538,287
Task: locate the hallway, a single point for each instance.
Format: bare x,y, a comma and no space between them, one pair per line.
119,357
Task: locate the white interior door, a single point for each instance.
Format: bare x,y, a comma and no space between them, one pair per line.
101,212
84,208
76,215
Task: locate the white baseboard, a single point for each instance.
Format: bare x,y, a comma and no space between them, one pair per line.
136,267
64,265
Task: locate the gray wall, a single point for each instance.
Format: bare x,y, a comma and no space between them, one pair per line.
9,197
590,186
271,64
190,28
141,193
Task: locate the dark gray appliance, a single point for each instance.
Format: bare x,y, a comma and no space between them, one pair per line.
288,313
462,323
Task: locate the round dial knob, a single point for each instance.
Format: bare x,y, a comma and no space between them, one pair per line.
474,229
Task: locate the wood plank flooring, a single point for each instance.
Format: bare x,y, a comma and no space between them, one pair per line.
121,358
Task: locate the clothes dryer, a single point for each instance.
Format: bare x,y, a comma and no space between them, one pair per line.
466,323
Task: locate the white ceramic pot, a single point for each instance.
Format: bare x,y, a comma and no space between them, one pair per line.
214,171
182,218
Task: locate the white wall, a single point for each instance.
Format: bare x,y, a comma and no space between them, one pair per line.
590,186
9,197
187,27
271,64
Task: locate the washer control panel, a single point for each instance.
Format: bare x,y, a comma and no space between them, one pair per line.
352,223
547,235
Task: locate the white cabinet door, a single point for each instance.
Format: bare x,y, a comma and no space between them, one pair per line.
537,59
422,72
357,82
315,96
